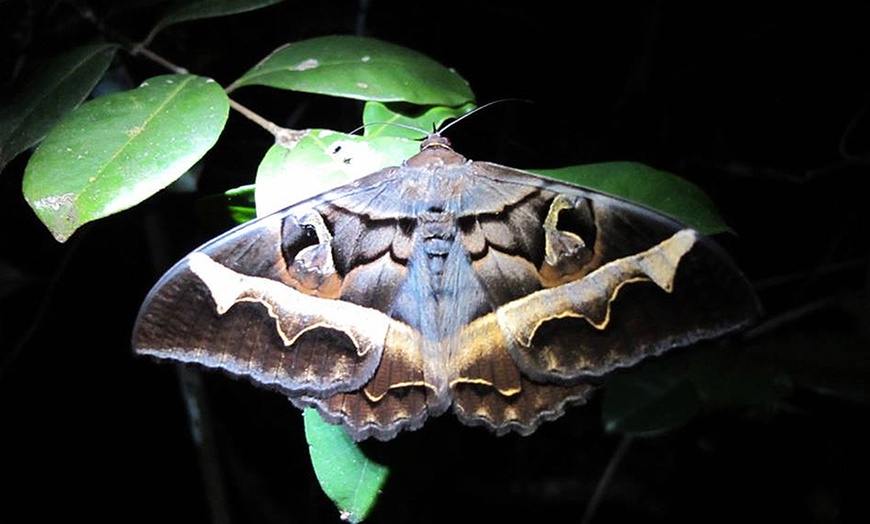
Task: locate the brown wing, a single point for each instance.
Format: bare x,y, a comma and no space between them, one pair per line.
443,283
583,284
228,305
262,302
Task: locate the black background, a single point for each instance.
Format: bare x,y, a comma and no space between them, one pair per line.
765,108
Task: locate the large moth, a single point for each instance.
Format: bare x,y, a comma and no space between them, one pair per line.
443,284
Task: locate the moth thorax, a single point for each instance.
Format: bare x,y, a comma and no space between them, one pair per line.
437,231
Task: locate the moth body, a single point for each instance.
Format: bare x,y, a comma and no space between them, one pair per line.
443,284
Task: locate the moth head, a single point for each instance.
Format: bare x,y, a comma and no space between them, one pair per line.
435,141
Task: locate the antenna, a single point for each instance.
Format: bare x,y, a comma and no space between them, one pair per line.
398,124
476,109
450,124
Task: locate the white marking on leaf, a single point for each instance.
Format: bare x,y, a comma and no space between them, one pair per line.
311,63
55,202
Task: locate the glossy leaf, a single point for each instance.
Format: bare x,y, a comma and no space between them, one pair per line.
348,478
359,68
241,203
828,355
228,209
652,398
60,85
641,184
182,11
320,161
729,375
402,120
117,150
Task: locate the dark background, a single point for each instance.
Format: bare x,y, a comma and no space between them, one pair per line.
765,108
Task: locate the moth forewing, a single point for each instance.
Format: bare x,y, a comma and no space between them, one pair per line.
444,282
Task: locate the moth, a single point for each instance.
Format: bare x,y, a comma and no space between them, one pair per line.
444,284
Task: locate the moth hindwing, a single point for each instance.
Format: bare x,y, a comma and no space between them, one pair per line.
443,284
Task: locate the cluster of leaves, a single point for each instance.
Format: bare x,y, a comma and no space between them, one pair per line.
115,151
110,153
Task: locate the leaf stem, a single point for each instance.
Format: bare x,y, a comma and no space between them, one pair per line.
129,45
139,49
284,136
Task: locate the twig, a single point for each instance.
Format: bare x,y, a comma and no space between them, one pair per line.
788,317
606,478
131,47
786,279
201,431
59,271
850,127
284,136
190,384
158,59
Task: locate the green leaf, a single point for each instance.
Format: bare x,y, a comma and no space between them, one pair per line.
320,161
359,68
58,87
197,9
348,478
730,375
828,354
408,121
651,398
225,210
241,203
114,152
641,184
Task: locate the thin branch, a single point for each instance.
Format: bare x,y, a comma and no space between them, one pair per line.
202,432
47,296
606,478
130,46
284,136
158,59
199,418
787,317
850,128
790,278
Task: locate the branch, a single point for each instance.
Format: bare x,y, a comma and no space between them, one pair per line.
284,136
